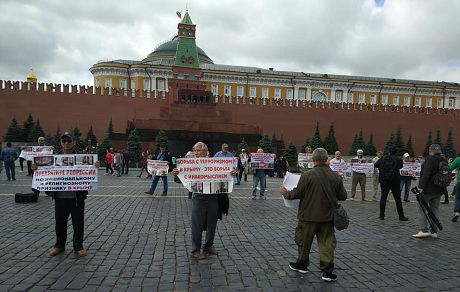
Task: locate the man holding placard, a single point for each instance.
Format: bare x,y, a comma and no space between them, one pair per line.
260,163
162,160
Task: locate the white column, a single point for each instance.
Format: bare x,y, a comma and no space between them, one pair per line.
333,95
296,92
345,95
308,96
153,85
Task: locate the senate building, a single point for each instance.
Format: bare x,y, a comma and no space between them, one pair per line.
179,89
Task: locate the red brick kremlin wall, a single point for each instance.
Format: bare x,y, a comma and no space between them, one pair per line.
67,106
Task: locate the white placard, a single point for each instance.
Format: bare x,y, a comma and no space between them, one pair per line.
29,152
157,167
305,160
290,182
263,160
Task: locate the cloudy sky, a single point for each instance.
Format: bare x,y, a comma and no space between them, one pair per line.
410,39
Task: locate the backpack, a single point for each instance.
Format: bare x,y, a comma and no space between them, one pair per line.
442,178
387,168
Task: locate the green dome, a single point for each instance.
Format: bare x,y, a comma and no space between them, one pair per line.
167,51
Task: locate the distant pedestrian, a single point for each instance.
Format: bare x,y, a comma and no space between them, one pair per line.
406,180
455,166
358,177
161,155
9,156
259,176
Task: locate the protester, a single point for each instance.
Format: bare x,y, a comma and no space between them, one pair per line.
375,178
69,202
406,180
240,170
430,192
455,166
224,152
389,179
163,156
245,161
9,156
259,176
205,211
315,214
337,158
358,177
40,142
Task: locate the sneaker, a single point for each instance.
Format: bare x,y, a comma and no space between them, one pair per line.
56,250
455,218
253,197
403,218
352,199
263,197
434,235
364,200
422,234
210,251
164,194
445,202
298,267
198,255
406,200
382,217
375,200
148,193
81,253
329,277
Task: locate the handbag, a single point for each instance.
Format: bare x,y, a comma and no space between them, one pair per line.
341,220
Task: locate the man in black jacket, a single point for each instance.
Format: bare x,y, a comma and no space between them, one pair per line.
431,192
389,179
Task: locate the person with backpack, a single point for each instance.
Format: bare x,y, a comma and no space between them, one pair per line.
389,179
434,178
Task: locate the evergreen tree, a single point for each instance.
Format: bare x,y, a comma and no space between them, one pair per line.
330,143
409,147
437,140
49,140
305,144
36,132
290,153
370,147
427,145
354,145
90,136
390,143
27,127
243,145
449,146
102,149
360,140
161,139
110,129
401,149
57,141
14,132
78,143
315,141
266,144
134,147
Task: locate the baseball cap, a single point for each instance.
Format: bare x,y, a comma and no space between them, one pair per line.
225,145
406,155
67,135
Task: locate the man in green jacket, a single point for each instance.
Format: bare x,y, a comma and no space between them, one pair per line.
455,165
318,190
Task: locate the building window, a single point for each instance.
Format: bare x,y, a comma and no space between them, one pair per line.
290,94
161,84
373,99
240,91
277,93
406,101
417,101
146,84
384,99
265,92
122,83
227,90
191,76
319,96
252,91
133,84
302,93
338,96
395,100
439,103
452,102
362,98
350,97
180,75
108,82
428,102
97,83
215,89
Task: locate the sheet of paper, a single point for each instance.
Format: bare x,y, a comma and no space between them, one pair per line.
291,203
290,182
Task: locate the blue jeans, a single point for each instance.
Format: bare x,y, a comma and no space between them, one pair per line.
255,181
457,198
405,183
156,178
10,170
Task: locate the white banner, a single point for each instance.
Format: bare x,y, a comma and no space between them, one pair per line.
29,152
342,168
157,167
411,169
262,160
206,175
75,172
305,160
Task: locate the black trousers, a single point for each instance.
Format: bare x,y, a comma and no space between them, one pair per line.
29,168
62,209
394,186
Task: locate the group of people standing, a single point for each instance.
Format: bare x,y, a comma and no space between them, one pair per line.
117,162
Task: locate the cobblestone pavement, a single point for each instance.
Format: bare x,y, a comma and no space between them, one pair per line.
138,242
